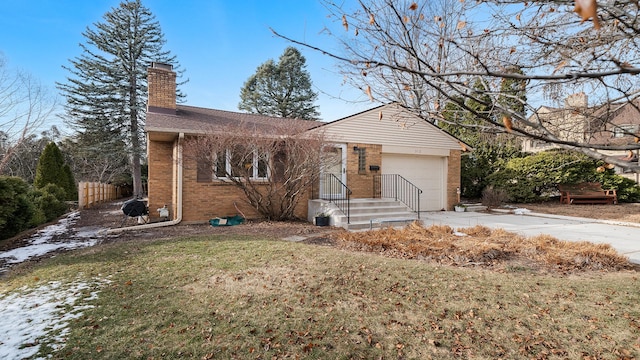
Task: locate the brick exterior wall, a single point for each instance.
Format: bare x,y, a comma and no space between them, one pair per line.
161,177
453,177
205,200
162,88
361,183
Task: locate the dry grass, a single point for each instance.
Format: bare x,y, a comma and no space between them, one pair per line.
222,297
229,296
482,246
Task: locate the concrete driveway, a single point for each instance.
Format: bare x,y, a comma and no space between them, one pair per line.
624,237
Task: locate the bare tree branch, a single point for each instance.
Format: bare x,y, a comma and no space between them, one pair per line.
427,54
25,106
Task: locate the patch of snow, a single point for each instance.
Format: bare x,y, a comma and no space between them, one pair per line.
458,233
42,242
521,211
33,316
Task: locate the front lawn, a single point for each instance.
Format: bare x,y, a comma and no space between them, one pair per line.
235,297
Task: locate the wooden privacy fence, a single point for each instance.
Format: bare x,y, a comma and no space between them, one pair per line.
91,193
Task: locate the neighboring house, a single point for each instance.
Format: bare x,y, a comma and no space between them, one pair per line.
608,124
381,141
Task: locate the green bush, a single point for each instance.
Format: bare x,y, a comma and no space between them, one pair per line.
70,186
535,177
626,189
51,169
49,203
485,159
16,211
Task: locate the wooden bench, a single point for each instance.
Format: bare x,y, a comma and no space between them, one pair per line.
586,193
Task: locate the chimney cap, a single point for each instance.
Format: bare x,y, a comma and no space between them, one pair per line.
163,66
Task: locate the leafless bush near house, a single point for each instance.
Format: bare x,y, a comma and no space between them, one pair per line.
493,198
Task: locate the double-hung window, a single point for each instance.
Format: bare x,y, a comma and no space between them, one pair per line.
240,162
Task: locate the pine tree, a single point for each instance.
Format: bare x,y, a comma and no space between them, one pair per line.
70,186
513,92
50,170
106,92
281,89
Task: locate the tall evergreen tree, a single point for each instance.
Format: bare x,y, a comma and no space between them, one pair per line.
513,92
491,149
51,170
70,186
106,92
281,89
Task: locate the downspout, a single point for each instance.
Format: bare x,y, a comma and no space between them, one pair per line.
178,218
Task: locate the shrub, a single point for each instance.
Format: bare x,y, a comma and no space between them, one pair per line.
535,177
485,159
70,186
626,189
493,198
16,210
51,169
49,203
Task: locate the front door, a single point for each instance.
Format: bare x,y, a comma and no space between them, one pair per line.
333,170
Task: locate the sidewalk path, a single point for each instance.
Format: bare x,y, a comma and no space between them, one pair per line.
624,237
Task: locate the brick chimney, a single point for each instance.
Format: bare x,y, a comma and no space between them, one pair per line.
161,82
576,101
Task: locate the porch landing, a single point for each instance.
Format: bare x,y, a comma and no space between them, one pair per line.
364,213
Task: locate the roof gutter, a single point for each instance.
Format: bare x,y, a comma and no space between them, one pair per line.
178,218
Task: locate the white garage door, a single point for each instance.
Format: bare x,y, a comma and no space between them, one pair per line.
425,172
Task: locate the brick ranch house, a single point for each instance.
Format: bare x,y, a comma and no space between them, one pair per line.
384,141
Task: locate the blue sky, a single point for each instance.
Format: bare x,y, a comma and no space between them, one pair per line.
219,43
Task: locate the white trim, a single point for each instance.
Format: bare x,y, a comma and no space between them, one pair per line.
412,150
254,165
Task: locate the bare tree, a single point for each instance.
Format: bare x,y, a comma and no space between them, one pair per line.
429,41
89,161
25,156
25,106
273,167
558,49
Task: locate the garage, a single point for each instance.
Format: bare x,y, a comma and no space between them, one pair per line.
426,172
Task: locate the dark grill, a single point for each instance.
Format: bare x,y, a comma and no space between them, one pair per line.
134,208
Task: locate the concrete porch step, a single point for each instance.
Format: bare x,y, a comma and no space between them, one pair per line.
377,223
475,207
362,211
366,217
